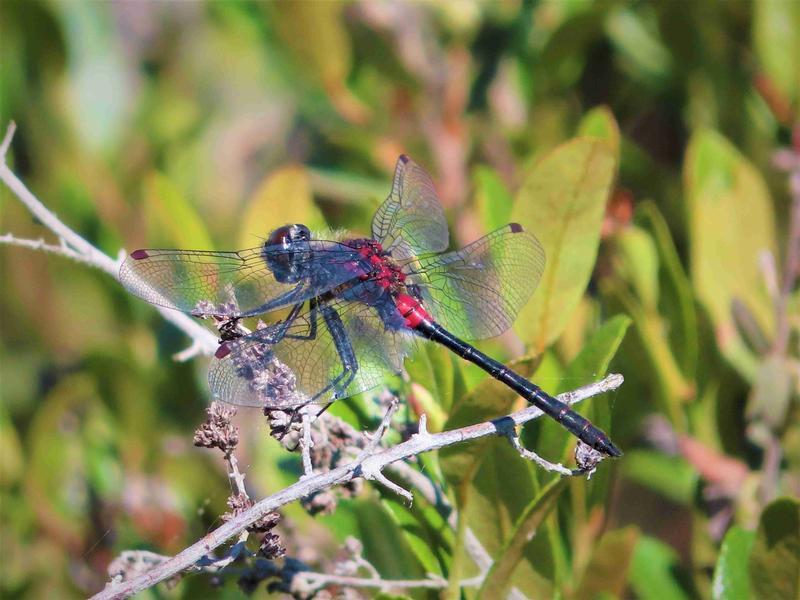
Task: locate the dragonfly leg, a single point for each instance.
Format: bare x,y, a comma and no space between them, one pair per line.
312,317
344,348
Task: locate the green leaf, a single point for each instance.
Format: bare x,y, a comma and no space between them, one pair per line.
562,201
677,295
12,457
424,530
283,197
592,362
771,394
637,41
775,558
172,221
590,365
670,476
315,34
776,37
489,399
652,574
638,264
730,575
436,369
499,577
385,544
607,571
600,123
492,198
731,222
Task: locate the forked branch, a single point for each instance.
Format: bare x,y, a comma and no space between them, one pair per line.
374,463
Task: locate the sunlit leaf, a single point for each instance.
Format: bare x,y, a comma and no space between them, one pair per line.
638,263
562,201
435,368
731,222
283,197
730,575
776,37
600,123
775,557
492,198
172,221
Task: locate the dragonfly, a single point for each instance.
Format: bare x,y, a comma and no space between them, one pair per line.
354,308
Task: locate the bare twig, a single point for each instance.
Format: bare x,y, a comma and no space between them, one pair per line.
513,438
75,247
306,442
343,474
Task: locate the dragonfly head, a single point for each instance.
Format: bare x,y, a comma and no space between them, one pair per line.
287,235
286,252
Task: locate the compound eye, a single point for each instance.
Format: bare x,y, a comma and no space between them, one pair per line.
280,236
300,232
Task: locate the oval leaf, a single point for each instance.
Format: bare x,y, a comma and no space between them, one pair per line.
775,560
600,123
731,222
730,575
562,201
283,197
171,220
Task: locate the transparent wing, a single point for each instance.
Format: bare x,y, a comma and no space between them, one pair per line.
337,350
477,292
236,284
411,220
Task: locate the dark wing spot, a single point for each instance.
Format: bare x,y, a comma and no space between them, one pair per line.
139,254
223,351
404,158
515,227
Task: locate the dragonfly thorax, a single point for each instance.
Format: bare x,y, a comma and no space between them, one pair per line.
382,268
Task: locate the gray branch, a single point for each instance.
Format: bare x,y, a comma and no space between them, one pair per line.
73,246
417,444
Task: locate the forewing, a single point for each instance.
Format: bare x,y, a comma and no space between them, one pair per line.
411,220
306,364
477,292
234,284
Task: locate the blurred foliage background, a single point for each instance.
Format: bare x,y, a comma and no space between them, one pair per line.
207,124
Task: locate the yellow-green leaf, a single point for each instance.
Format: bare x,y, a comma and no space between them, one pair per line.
731,222
171,220
562,201
283,197
600,123
776,37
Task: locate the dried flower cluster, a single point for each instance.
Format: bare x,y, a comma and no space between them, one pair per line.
218,431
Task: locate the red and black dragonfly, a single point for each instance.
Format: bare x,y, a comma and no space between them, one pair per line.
355,306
